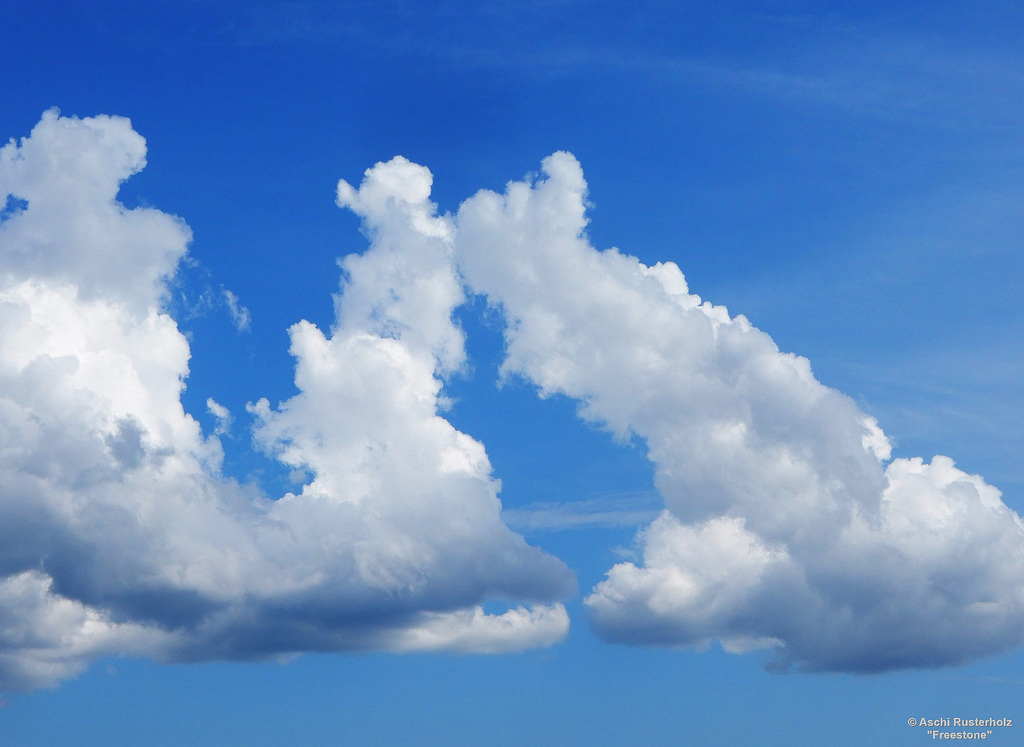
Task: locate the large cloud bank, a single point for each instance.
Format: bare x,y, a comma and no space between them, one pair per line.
118,532
786,524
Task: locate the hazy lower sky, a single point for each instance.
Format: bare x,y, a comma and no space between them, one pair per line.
556,373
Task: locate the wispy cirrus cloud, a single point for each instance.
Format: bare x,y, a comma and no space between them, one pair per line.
618,510
239,314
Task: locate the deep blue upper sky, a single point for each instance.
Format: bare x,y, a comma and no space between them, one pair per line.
846,175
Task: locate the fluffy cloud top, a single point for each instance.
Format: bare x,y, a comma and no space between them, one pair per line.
73,231
118,532
786,523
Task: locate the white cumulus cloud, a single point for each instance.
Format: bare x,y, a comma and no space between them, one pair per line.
786,524
118,532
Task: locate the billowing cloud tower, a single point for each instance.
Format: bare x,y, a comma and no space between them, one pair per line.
118,532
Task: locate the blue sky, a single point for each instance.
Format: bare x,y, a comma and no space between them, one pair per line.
847,177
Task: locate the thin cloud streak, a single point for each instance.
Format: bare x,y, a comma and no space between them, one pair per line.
623,510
